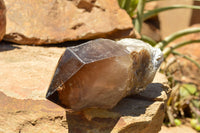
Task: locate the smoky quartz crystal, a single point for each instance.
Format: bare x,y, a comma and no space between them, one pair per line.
99,73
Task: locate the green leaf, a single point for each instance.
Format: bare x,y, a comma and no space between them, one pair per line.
128,5
197,127
131,6
187,90
139,19
196,103
154,12
193,122
122,3
177,122
152,0
183,93
197,94
191,88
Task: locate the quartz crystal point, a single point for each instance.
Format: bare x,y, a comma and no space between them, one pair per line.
99,73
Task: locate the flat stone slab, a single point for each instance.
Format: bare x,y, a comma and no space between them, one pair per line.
26,71
24,77
132,114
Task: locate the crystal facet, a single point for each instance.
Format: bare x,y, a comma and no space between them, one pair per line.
99,73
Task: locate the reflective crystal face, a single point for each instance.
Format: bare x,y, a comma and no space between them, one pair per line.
99,74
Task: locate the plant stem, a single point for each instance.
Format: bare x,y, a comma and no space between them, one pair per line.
168,50
185,43
152,0
149,40
176,35
186,57
139,19
154,12
122,3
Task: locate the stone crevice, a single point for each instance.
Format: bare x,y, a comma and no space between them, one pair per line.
77,26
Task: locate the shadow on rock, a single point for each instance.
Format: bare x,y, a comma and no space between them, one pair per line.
5,46
134,107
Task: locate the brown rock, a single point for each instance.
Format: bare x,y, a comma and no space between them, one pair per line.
26,71
53,21
24,77
173,20
132,114
151,5
2,19
24,121
151,27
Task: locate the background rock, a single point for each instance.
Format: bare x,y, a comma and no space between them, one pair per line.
151,27
51,21
151,5
178,19
2,19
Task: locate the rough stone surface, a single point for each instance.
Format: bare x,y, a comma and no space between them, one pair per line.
133,114
28,70
24,77
99,73
27,113
151,5
32,122
2,19
52,21
151,27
